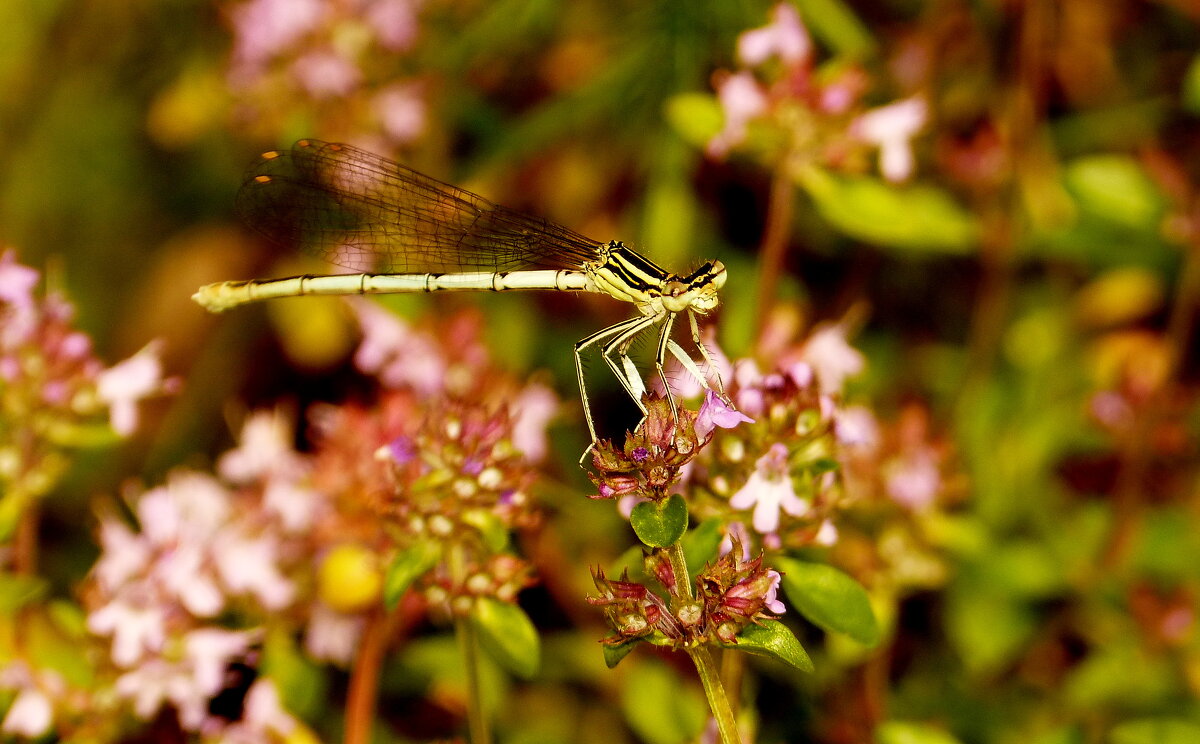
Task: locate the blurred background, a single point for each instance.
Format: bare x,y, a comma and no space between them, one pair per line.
994,200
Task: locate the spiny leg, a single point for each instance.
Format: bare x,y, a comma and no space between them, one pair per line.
664,338
592,340
627,372
707,358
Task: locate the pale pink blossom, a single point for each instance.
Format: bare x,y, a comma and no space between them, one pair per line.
395,23
265,28
831,357
742,99
263,717
856,428
124,554
184,573
748,378
30,714
892,128
16,281
395,353
401,111
128,382
827,533
332,636
769,489
736,530
190,505
784,37
295,506
210,652
264,449
249,565
716,413
772,599
135,631
532,411
324,73
914,480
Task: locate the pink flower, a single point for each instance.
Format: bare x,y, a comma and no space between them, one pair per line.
16,281
264,448
772,602
191,505
785,37
127,382
135,630
742,99
768,489
30,714
914,480
892,127
250,565
395,23
263,718
332,636
124,554
326,74
856,427
532,411
184,573
831,357
401,110
210,651
715,412
397,355
264,28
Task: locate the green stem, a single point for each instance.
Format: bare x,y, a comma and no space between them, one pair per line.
683,581
718,702
468,646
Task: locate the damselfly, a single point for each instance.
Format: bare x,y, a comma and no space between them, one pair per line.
411,233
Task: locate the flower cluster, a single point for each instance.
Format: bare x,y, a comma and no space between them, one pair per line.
337,59
54,392
779,103
730,594
206,548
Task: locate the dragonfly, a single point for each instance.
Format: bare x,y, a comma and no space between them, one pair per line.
402,231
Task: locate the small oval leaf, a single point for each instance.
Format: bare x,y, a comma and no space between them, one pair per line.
508,635
408,566
829,598
772,638
660,525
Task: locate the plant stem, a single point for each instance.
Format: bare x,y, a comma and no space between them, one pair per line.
718,702
683,581
468,646
364,679
775,238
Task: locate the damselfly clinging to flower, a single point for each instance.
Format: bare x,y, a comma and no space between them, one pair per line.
417,234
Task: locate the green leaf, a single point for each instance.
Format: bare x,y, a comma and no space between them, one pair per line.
909,732
408,566
696,117
830,599
835,24
659,525
659,707
491,528
19,590
773,639
302,685
614,654
1155,731
1116,189
701,545
911,217
508,635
